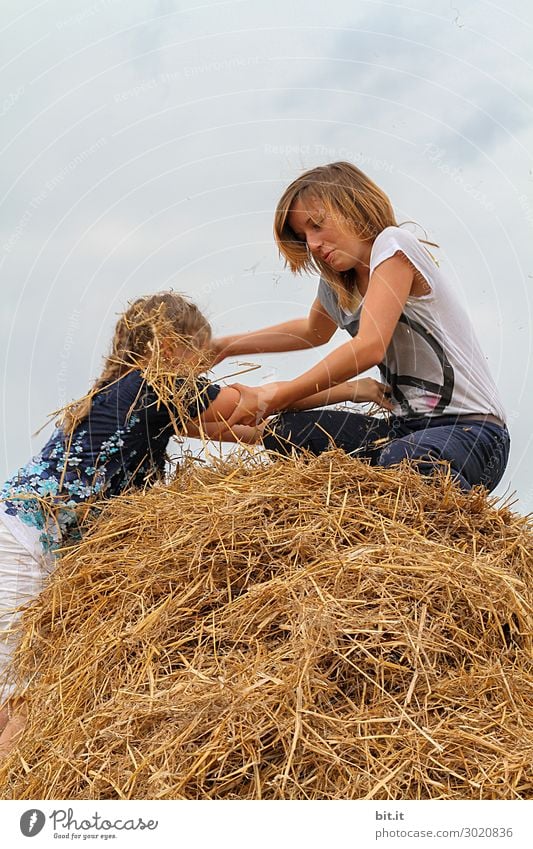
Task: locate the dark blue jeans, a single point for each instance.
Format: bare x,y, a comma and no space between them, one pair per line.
477,452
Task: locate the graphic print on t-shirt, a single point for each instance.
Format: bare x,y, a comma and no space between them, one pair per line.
436,395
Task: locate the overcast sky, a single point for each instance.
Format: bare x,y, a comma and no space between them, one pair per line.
145,143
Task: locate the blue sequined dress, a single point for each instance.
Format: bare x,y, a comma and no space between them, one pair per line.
121,443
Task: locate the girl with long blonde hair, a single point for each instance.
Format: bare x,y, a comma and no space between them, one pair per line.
386,289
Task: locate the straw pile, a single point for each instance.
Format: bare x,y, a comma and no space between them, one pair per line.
304,629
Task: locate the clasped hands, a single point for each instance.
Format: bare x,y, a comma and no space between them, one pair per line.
257,403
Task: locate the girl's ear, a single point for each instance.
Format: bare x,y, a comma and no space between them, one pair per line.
204,342
169,348
165,346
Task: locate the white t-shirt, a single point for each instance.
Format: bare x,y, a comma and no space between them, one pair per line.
434,362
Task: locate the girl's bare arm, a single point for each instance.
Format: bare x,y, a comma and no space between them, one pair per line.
315,329
213,423
388,290
365,389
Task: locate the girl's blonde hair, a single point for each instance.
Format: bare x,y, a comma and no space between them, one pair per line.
354,202
145,335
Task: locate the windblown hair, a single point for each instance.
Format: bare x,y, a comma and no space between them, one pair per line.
354,202
146,337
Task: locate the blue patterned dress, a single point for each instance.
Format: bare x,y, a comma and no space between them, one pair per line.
121,443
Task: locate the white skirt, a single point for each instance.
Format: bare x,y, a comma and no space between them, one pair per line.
22,578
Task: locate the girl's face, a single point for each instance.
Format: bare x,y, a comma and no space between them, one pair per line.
325,238
177,354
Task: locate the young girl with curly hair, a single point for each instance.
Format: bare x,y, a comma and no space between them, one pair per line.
114,438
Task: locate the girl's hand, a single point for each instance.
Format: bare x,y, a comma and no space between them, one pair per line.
255,403
367,389
248,435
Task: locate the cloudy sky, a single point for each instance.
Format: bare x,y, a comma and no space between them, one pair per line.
145,143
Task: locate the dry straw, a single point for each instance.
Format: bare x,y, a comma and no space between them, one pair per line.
302,629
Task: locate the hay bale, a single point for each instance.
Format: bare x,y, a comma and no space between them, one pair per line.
304,629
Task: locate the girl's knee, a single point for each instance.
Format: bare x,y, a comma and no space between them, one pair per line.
311,431
282,434
14,728
428,460
398,450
